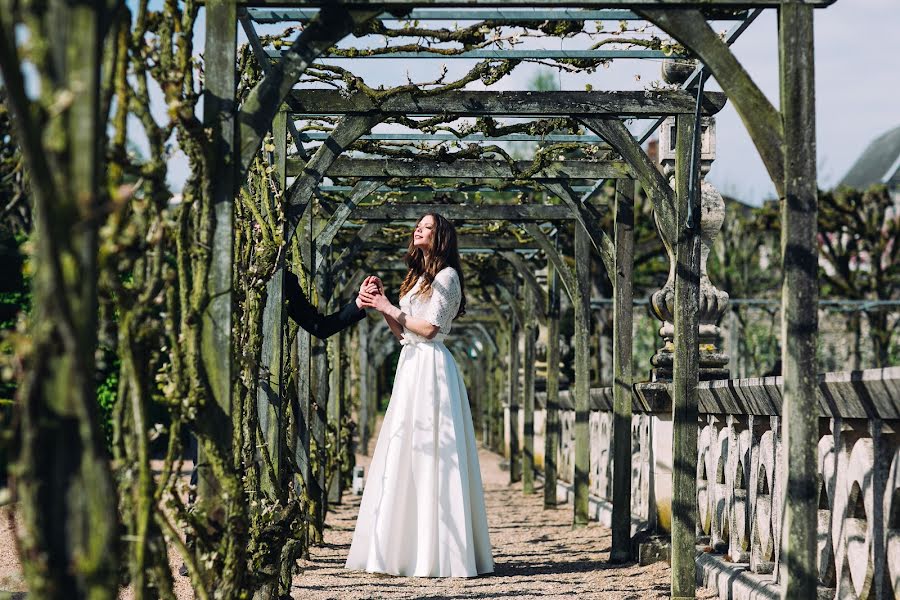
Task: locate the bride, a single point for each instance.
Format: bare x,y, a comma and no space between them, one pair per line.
422,512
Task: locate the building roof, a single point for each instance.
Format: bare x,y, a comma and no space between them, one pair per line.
880,163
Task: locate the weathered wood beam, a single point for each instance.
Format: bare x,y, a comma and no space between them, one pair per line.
479,103
344,133
762,120
588,218
537,293
301,405
216,339
515,457
360,192
514,303
645,171
270,390
385,168
264,100
530,329
464,212
322,386
364,391
623,321
581,304
799,295
352,248
552,425
686,372
337,394
554,256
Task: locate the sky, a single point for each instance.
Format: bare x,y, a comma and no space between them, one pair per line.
857,45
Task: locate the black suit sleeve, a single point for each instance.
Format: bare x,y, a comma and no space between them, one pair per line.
309,318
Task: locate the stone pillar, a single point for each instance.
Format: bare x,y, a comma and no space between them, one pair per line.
713,302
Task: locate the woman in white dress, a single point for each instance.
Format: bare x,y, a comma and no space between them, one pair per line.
422,512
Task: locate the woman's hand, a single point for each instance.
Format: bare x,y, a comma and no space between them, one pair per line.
377,301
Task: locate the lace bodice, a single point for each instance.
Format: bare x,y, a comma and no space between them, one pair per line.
441,307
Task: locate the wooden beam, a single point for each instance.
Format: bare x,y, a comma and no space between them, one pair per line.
530,330
264,100
301,406
464,212
645,170
384,168
345,133
270,390
686,372
512,301
480,103
623,322
318,493
515,458
535,300
364,391
554,256
589,219
799,295
352,248
336,409
762,121
552,425
325,237
216,340
581,304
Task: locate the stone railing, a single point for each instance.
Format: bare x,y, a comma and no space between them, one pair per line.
740,474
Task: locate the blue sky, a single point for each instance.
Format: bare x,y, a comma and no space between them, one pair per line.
857,89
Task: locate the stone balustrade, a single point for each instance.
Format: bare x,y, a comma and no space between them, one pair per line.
740,473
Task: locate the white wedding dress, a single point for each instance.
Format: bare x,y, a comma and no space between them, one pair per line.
422,512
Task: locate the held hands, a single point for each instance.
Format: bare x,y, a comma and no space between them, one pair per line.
371,295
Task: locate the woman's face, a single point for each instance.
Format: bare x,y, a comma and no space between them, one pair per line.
423,236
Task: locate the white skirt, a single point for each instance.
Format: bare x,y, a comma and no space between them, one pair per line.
422,512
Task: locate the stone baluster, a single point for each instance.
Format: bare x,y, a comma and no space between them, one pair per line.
713,302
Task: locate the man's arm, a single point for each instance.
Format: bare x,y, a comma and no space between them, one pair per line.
309,318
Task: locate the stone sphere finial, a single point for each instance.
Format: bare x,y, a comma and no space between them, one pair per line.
677,70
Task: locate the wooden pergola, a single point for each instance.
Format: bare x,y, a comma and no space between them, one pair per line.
785,139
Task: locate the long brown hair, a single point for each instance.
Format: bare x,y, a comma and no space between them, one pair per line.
444,253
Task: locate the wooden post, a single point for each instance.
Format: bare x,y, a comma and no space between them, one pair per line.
528,396
515,459
66,493
485,414
582,376
686,371
551,422
318,418
623,299
302,416
270,391
799,297
216,341
335,409
364,387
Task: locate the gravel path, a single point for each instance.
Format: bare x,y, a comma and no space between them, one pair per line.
537,554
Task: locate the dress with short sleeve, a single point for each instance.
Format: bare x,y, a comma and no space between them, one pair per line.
441,306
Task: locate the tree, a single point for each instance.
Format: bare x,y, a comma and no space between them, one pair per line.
859,242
